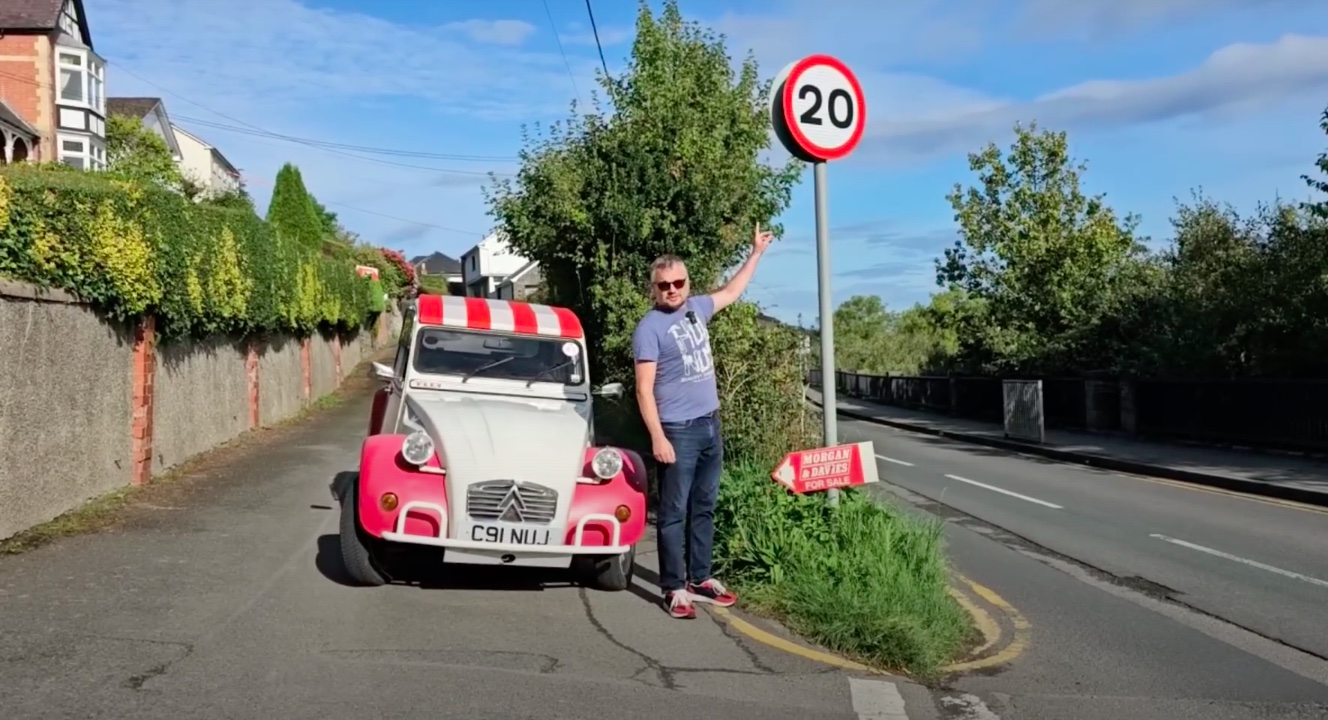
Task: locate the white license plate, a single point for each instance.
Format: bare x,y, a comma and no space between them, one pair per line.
510,534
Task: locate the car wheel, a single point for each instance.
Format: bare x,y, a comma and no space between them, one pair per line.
356,553
613,573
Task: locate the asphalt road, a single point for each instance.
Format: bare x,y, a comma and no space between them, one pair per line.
1147,598
220,597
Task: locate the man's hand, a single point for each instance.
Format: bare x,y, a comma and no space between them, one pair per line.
730,293
663,450
761,240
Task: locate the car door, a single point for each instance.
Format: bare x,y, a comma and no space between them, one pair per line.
396,389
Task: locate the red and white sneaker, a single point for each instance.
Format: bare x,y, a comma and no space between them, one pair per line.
680,605
712,591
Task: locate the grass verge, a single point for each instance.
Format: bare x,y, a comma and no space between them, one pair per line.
863,580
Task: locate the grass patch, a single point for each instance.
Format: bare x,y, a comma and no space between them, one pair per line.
98,513
864,580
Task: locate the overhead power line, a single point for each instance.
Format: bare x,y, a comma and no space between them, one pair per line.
595,29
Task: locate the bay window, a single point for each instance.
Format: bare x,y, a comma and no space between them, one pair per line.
82,152
82,79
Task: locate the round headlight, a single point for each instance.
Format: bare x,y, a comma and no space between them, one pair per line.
417,448
607,463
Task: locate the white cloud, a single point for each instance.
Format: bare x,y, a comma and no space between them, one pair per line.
496,32
1239,78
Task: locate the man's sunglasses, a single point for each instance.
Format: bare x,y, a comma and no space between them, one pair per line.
676,284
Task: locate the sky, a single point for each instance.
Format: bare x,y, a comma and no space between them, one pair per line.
396,112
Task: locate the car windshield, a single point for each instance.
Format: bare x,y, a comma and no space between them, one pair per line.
489,355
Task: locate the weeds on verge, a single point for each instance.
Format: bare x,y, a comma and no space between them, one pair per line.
864,580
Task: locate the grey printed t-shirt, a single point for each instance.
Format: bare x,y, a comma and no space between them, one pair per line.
685,369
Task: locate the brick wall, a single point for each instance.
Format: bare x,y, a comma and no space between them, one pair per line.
144,395
27,82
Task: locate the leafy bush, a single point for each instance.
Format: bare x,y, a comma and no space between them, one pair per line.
131,248
862,579
395,280
293,212
135,152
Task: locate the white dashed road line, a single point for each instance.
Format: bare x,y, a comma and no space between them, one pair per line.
876,699
892,460
1003,491
1243,561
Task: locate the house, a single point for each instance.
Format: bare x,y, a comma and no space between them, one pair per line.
152,112
521,284
441,265
52,84
203,163
485,266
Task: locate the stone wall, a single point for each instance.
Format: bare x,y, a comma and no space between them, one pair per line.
87,407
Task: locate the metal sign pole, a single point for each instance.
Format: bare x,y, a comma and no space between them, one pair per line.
828,402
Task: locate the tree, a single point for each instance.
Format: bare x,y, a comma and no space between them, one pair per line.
1047,260
675,168
862,330
136,152
292,211
1319,208
331,226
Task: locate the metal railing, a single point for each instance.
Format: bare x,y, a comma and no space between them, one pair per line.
1273,414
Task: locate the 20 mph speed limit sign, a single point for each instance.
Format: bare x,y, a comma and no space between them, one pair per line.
819,113
818,109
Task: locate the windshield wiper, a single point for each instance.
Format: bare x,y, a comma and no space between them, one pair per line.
549,370
487,366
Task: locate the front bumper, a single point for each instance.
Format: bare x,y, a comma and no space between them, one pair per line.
473,552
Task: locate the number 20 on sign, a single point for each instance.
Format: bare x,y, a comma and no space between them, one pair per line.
818,111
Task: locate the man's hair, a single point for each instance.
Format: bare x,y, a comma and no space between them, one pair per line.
662,262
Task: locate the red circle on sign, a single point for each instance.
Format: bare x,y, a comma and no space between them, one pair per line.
799,136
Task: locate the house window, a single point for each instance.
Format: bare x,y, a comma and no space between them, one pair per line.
69,20
96,87
82,153
82,79
73,81
472,263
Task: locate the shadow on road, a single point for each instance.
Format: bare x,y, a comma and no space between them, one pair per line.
420,572
421,567
652,577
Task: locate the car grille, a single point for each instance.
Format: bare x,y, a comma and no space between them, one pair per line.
511,501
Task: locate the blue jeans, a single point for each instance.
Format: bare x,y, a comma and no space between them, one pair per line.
688,489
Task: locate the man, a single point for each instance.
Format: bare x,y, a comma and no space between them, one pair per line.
675,387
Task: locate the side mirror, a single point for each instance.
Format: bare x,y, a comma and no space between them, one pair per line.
610,390
379,371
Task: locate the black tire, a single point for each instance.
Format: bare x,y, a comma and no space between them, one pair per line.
356,553
612,573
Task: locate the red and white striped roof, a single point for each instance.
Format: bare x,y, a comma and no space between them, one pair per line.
511,316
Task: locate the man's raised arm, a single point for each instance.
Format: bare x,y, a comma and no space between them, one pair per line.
733,290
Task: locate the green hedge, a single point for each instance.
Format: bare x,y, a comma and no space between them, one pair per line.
130,249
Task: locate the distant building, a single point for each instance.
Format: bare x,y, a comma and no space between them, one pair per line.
441,265
491,262
202,163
